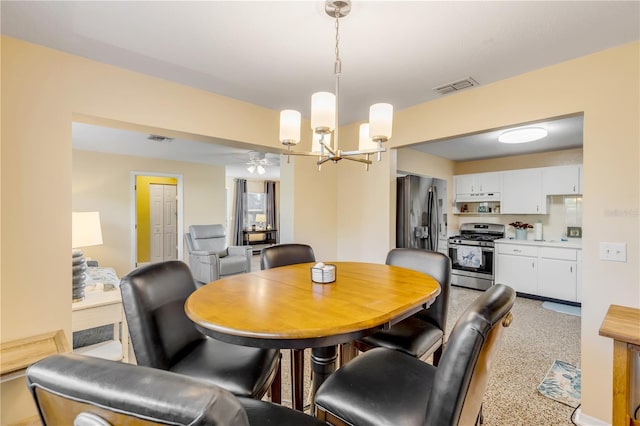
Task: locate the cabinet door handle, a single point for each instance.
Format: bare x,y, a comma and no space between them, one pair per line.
574,188
533,265
516,250
571,269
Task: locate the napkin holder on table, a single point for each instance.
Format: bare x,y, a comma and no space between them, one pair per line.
323,273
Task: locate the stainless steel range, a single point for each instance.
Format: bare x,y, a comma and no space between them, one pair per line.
471,255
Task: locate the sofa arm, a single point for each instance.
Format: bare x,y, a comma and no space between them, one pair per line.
246,251
240,250
204,266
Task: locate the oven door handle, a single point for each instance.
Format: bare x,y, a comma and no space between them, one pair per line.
455,246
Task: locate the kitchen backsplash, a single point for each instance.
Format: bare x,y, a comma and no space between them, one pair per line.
563,211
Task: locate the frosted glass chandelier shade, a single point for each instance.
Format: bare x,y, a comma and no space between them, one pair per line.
290,126
380,121
323,112
364,141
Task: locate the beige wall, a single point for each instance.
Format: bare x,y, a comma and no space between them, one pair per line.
308,212
102,182
48,88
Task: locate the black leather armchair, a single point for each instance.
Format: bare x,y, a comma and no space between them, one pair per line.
164,337
77,390
423,333
388,387
282,255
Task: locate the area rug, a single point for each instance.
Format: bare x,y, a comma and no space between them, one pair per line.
576,311
562,383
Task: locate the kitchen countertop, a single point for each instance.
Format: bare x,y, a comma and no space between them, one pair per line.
574,243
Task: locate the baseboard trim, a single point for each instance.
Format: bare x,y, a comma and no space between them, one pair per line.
582,419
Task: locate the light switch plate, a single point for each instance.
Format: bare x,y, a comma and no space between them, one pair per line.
614,252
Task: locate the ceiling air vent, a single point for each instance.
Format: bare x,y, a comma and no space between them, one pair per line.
159,138
456,86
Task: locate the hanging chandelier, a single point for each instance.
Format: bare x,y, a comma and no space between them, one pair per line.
324,115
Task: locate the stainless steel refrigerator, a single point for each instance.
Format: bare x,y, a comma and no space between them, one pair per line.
421,214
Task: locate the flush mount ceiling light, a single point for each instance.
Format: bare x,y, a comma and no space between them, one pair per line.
522,135
324,115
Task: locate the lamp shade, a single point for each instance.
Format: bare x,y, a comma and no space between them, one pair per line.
260,217
323,112
364,142
85,229
380,121
290,127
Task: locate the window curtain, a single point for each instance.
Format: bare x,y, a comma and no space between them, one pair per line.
270,191
240,210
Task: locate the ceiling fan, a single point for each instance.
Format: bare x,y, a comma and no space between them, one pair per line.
257,162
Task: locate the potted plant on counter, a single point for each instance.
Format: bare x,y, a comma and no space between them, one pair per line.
521,229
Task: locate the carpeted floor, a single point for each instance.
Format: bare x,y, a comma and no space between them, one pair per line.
536,338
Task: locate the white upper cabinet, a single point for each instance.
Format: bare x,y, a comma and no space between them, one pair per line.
561,180
478,187
522,192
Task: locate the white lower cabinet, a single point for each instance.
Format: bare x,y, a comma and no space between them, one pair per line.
516,266
541,271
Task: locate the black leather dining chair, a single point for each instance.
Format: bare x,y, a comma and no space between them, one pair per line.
388,387
283,255
78,390
423,333
164,337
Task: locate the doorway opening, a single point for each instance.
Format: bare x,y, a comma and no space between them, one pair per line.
156,218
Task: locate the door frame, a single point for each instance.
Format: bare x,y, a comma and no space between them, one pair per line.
134,213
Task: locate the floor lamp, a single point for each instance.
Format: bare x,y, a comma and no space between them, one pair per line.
85,232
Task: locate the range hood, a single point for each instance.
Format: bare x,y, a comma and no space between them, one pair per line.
478,197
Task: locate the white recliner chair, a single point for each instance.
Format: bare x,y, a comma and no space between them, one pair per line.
210,258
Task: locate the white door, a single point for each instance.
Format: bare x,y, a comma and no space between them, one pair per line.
170,218
162,222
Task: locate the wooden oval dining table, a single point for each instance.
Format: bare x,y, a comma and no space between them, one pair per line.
283,308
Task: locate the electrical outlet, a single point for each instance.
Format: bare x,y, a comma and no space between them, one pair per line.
614,252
